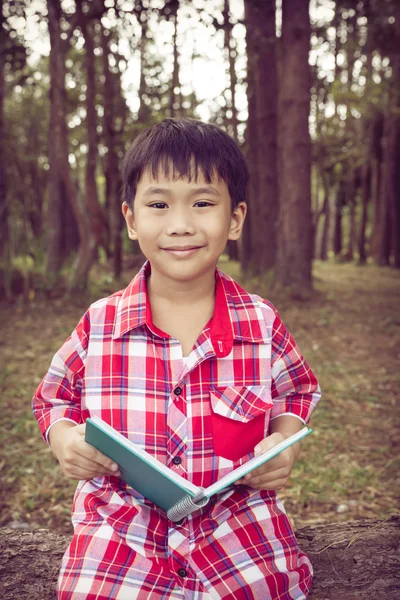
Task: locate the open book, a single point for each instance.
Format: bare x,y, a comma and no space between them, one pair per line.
160,484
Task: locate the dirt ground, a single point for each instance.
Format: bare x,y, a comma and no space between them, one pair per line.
349,332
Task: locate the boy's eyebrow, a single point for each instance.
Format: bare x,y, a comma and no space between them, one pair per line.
165,191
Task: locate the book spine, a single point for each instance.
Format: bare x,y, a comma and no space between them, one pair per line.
185,507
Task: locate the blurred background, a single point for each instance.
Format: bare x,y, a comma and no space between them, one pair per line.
311,92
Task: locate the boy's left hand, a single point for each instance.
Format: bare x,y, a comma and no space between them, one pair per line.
274,474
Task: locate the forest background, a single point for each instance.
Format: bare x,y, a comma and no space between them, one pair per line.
311,92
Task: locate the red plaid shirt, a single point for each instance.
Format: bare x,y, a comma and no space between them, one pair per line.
202,417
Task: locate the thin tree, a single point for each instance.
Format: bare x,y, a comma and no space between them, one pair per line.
170,13
294,241
259,241
142,15
387,233
61,187
230,54
85,21
111,93
4,242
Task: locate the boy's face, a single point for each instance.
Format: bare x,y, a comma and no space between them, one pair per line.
183,226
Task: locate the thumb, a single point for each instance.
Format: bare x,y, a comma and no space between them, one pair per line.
267,443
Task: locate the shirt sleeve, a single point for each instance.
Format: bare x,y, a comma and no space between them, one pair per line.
294,389
59,393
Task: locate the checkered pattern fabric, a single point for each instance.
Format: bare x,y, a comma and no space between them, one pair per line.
207,412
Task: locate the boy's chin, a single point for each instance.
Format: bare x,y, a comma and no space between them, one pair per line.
184,270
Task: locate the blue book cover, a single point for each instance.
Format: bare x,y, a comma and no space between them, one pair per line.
157,482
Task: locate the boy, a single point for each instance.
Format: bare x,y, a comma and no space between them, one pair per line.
197,371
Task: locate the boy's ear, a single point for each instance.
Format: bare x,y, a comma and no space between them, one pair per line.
130,221
237,221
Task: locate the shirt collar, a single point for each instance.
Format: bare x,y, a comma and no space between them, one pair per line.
236,315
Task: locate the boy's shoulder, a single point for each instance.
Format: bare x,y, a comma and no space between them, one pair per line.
113,303
241,299
132,294
113,300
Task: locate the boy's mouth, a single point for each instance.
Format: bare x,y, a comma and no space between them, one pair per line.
182,250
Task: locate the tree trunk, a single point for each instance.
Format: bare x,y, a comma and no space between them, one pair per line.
388,235
354,560
92,198
294,242
55,254
376,179
61,187
395,208
384,230
338,201
317,207
176,95
395,144
232,246
259,244
233,250
365,197
230,58
368,143
350,195
144,112
320,251
5,255
327,217
112,174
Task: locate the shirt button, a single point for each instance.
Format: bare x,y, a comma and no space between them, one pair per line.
178,391
177,460
182,572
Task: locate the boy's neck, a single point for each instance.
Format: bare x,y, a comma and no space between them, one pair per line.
181,293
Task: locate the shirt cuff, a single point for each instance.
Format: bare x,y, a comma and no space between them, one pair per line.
58,420
289,414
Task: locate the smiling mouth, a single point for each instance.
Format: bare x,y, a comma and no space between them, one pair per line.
181,252
182,248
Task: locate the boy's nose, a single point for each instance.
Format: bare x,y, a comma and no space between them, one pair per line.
180,223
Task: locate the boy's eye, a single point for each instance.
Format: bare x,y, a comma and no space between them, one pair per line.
158,205
203,203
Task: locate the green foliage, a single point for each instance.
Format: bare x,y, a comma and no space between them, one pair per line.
26,166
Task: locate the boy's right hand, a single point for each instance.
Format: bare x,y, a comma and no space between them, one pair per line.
78,459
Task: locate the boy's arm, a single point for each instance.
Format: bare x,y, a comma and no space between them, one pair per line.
57,408
294,388
58,396
295,393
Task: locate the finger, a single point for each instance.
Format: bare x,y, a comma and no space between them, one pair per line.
265,477
77,461
86,450
90,453
276,484
79,473
268,480
270,468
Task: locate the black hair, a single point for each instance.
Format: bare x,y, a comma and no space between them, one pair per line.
185,146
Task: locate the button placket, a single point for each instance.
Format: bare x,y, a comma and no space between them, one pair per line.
177,422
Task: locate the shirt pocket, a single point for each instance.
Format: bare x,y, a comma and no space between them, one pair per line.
240,417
